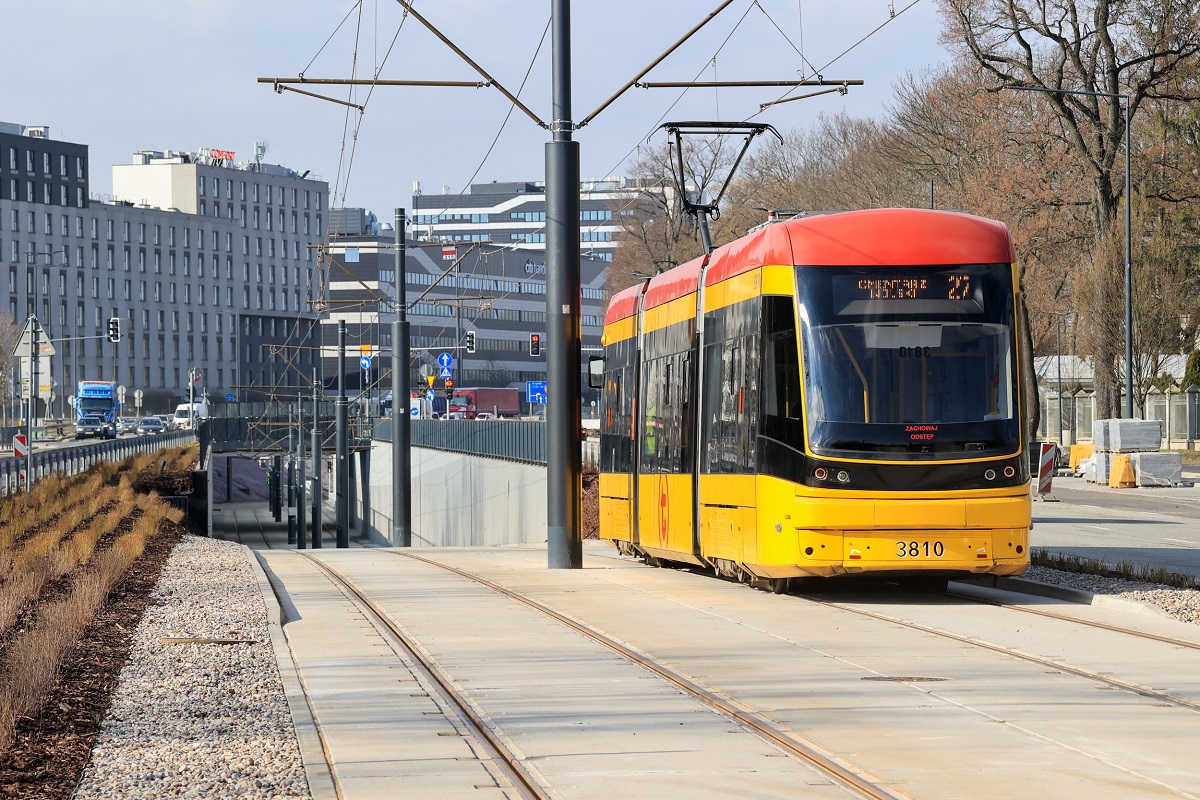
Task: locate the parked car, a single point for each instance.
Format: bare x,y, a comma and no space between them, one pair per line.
95,426
150,426
126,425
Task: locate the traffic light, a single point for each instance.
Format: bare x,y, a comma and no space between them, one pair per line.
535,344
470,341
114,329
449,382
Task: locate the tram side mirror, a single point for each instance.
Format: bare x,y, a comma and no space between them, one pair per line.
595,372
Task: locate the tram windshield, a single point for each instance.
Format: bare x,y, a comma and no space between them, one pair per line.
903,362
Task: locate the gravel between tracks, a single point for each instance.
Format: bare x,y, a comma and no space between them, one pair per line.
1182,604
199,719
211,720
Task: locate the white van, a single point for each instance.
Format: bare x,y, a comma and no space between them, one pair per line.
185,413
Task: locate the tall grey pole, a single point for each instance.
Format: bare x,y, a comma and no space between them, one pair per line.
341,505
1128,279
300,510
401,452
318,469
564,485
1060,393
291,483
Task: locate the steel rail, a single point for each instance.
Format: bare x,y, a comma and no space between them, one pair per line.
506,761
1079,672
847,775
1090,623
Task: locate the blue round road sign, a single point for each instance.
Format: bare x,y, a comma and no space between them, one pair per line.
228,398
445,360
365,362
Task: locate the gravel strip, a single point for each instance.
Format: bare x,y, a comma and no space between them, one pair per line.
199,719
1182,604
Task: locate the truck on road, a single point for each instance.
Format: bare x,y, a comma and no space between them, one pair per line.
469,403
97,398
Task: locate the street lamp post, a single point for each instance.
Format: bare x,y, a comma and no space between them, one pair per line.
1125,99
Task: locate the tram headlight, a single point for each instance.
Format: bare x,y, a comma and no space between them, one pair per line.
843,476
1009,471
989,475
820,473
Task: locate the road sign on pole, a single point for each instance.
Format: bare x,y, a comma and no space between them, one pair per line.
20,446
535,391
365,362
445,361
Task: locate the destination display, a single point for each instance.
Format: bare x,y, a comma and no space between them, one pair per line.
948,291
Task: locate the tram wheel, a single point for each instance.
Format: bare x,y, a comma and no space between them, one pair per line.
778,585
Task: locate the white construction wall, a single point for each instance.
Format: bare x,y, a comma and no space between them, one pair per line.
461,500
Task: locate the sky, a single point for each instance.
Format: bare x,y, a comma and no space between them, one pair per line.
127,75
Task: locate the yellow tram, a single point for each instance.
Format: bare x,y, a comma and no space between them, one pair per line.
835,394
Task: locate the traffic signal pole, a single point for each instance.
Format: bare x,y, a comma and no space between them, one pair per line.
564,478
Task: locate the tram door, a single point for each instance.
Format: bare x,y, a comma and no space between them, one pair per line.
665,431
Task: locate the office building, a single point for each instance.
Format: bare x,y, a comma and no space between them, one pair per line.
497,293
514,214
207,261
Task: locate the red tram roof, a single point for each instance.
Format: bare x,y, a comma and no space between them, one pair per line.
623,304
674,283
899,237
876,237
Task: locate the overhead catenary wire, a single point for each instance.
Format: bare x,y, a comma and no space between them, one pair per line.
711,60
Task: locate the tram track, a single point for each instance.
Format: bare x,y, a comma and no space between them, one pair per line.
1090,623
1114,683
848,776
456,707
1106,680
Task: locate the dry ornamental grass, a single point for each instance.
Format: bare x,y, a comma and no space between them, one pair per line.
66,549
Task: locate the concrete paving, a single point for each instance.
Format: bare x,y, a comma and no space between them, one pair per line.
927,717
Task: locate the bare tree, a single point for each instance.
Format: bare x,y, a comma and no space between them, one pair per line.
10,332
656,234
1132,47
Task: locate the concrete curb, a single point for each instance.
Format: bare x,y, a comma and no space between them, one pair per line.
1026,586
316,768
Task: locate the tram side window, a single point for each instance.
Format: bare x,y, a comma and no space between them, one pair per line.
731,403
666,416
616,431
782,411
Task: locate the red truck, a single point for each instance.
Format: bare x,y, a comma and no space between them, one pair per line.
472,402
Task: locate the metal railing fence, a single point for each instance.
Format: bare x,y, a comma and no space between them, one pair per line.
73,460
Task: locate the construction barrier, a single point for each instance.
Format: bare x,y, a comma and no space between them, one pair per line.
1122,476
1080,452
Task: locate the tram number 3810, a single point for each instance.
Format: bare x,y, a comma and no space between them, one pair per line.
919,549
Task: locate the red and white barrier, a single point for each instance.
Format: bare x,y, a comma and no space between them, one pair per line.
1047,463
